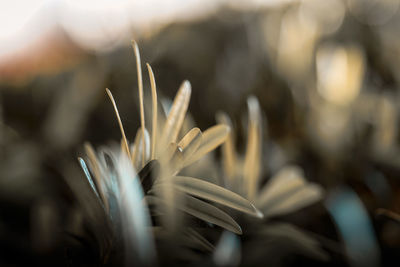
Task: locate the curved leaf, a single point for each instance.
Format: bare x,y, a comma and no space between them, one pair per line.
121,127
154,111
281,185
215,193
88,176
212,138
140,89
306,195
201,210
190,142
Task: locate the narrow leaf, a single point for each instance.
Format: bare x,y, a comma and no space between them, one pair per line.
171,160
202,210
198,238
297,238
228,250
306,195
148,174
98,174
211,138
177,114
140,88
251,171
88,177
119,121
281,185
135,216
228,151
190,142
137,149
154,110
215,193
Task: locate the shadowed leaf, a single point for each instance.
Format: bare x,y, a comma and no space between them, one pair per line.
202,210
215,193
148,174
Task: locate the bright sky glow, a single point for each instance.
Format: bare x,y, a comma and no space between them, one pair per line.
98,24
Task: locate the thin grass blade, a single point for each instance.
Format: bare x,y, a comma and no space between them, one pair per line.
137,149
119,121
228,151
251,171
154,111
88,176
140,88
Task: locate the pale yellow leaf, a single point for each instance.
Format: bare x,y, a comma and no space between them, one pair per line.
176,114
140,88
212,138
228,151
154,111
251,171
190,142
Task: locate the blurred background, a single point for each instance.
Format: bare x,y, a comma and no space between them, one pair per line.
326,73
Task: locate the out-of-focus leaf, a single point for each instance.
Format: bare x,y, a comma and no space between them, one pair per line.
287,191
93,210
304,196
297,238
137,148
227,251
228,150
88,177
135,217
251,171
355,227
202,210
148,174
281,185
215,193
199,239
96,169
389,214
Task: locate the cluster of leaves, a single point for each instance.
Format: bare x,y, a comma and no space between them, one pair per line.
141,201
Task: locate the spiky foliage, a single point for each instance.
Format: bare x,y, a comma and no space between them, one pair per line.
285,192
142,196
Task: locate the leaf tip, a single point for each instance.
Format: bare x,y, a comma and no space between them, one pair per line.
258,213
